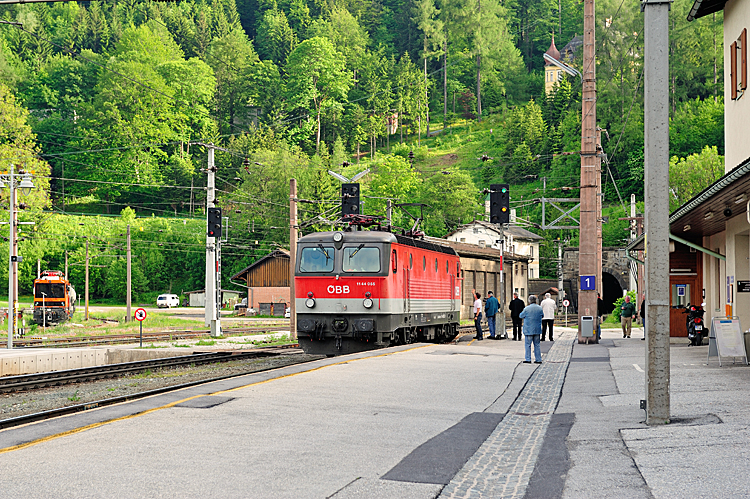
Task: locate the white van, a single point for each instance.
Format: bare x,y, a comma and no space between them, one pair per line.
167,301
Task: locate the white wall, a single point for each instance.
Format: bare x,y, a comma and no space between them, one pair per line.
736,18
489,238
738,251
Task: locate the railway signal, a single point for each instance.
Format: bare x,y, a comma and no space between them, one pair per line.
349,199
499,204
214,222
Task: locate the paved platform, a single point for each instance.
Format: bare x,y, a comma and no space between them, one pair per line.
421,421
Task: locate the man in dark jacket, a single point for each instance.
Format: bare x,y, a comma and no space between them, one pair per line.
627,313
516,307
491,307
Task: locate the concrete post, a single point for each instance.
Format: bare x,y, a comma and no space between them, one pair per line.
11,254
292,258
210,285
213,262
656,177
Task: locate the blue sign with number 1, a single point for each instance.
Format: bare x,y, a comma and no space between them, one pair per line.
588,282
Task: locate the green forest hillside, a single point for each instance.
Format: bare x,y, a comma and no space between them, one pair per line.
110,105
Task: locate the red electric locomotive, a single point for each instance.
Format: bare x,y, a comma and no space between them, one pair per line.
363,290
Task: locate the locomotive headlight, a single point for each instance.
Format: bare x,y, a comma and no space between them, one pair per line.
338,237
310,302
367,303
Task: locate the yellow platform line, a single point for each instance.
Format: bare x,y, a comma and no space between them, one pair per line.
172,404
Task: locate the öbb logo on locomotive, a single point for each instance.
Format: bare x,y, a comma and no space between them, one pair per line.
379,297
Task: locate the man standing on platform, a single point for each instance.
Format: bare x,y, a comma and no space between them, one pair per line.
516,307
532,329
478,314
491,308
548,307
627,313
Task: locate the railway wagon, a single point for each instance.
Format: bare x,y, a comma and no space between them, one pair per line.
54,298
362,290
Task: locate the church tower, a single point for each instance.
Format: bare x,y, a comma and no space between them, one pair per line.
552,73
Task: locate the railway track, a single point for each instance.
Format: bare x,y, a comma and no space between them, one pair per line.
34,381
55,378
115,339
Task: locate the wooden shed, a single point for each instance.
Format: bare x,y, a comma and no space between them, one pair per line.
267,280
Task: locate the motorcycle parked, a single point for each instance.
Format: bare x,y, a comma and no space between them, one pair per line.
696,327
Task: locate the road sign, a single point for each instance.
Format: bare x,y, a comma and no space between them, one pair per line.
140,314
566,303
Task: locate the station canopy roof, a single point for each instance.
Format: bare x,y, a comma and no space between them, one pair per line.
707,213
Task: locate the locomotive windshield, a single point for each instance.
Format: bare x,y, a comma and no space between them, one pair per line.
361,259
317,259
49,290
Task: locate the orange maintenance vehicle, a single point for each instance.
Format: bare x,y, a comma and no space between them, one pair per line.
54,298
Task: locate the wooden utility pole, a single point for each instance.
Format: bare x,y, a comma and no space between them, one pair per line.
129,285
589,256
292,258
87,280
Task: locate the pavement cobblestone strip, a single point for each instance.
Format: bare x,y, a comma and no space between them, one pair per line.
503,464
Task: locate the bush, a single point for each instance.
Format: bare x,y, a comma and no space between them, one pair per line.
401,150
619,302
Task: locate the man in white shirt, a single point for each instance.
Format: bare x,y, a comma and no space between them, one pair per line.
478,314
548,307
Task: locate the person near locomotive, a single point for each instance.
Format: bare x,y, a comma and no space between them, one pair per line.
478,314
532,329
548,306
627,314
516,307
491,307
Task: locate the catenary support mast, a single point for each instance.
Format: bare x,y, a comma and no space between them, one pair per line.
656,177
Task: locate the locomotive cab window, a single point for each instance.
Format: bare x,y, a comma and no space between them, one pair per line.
361,259
49,290
316,259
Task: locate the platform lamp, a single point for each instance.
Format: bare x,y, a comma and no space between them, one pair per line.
14,181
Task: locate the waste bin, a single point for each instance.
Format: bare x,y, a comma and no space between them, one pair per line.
587,326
